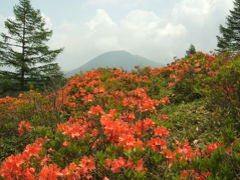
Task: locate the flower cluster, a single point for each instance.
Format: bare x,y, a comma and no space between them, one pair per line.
23,126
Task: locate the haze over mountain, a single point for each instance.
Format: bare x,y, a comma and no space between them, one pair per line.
118,59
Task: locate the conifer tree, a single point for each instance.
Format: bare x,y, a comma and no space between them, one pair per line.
24,56
191,50
230,35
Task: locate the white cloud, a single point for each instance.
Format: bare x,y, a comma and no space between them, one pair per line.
144,19
126,3
101,21
2,19
103,1
202,20
140,32
198,12
47,20
193,7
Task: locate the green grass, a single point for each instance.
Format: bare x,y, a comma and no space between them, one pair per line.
197,122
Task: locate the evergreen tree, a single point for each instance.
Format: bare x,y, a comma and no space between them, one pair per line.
24,56
191,50
230,35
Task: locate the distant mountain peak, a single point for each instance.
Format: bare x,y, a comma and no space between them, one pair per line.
118,59
117,52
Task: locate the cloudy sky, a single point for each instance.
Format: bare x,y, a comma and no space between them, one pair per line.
155,29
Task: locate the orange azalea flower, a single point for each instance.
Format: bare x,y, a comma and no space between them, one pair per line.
71,172
20,95
87,162
161,131
17,167
96,110
45,159
128,116
11,167
116,164
212,147
172,76
212,73
129,142
163,117
66,143
77,129
50,172
148,123
88,98
146,105
186,151
197,69
199,175
94,132
23,126
71,104
156,143
119,163
197,64
139,166
33,149
184,174
164,100
170,84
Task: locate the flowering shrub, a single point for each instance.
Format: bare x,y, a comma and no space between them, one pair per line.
114,129
224,87
23,126
42,112
184,75
214,76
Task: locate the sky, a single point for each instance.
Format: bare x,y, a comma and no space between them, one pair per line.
156,29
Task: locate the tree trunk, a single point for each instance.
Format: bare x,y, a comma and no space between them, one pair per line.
22,81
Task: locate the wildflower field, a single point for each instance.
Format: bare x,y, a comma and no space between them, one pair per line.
176,122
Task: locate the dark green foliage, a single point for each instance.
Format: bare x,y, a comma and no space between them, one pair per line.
230,35
227,170
26,59
224,88
43,120
8,87
191,50
184,91
195,121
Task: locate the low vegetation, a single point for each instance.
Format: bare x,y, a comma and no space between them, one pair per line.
174,122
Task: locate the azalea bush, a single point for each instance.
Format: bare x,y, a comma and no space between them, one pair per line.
185,75
31,109
214,79
111,124
224,88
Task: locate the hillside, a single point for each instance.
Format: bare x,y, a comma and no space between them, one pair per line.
175,122
115,59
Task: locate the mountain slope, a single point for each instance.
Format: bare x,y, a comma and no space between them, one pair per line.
118,59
